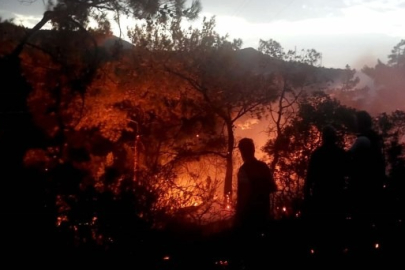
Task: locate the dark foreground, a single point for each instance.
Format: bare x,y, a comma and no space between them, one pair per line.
285,243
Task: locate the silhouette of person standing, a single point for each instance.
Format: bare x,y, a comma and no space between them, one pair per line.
255,183
367,173
325,181
366,181
324,193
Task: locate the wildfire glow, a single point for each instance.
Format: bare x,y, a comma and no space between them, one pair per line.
196,190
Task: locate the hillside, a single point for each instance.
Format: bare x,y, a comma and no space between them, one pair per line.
249,58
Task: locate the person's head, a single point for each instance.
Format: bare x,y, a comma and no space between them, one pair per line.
364,121
329,135
246,148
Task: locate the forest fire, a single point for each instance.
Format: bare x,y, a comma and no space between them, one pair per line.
115,149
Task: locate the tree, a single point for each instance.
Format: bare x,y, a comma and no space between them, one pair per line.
274,49
294,76
208,64
69,18
297,80
392,128
301,135
66,16
388,82
397,56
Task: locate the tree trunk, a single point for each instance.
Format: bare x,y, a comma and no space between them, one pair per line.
229,162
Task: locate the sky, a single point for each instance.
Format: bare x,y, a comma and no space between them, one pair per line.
353,32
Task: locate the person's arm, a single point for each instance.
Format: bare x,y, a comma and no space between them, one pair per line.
243,190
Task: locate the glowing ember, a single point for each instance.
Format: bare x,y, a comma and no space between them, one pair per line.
227,201
61,219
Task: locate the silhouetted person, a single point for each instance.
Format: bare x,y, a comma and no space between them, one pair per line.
324,193
367,176
367,167
255,183
325,181
254,186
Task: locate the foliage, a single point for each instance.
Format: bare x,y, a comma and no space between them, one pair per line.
392,128
71,14
208,64
275,50
397,56
299,137
388,81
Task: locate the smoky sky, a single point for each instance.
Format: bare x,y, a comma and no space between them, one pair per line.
292,10
22,7
354,32
252,10
267,11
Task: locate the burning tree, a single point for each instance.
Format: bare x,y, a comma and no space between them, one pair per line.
296,117
69,19
215,77
302,134
56,75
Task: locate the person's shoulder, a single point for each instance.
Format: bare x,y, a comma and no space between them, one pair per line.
261,163
373,134
318,151
339,149
242,168
363,140
263,166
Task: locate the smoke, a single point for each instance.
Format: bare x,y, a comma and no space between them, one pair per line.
255,129
368,59
248,124
381,95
